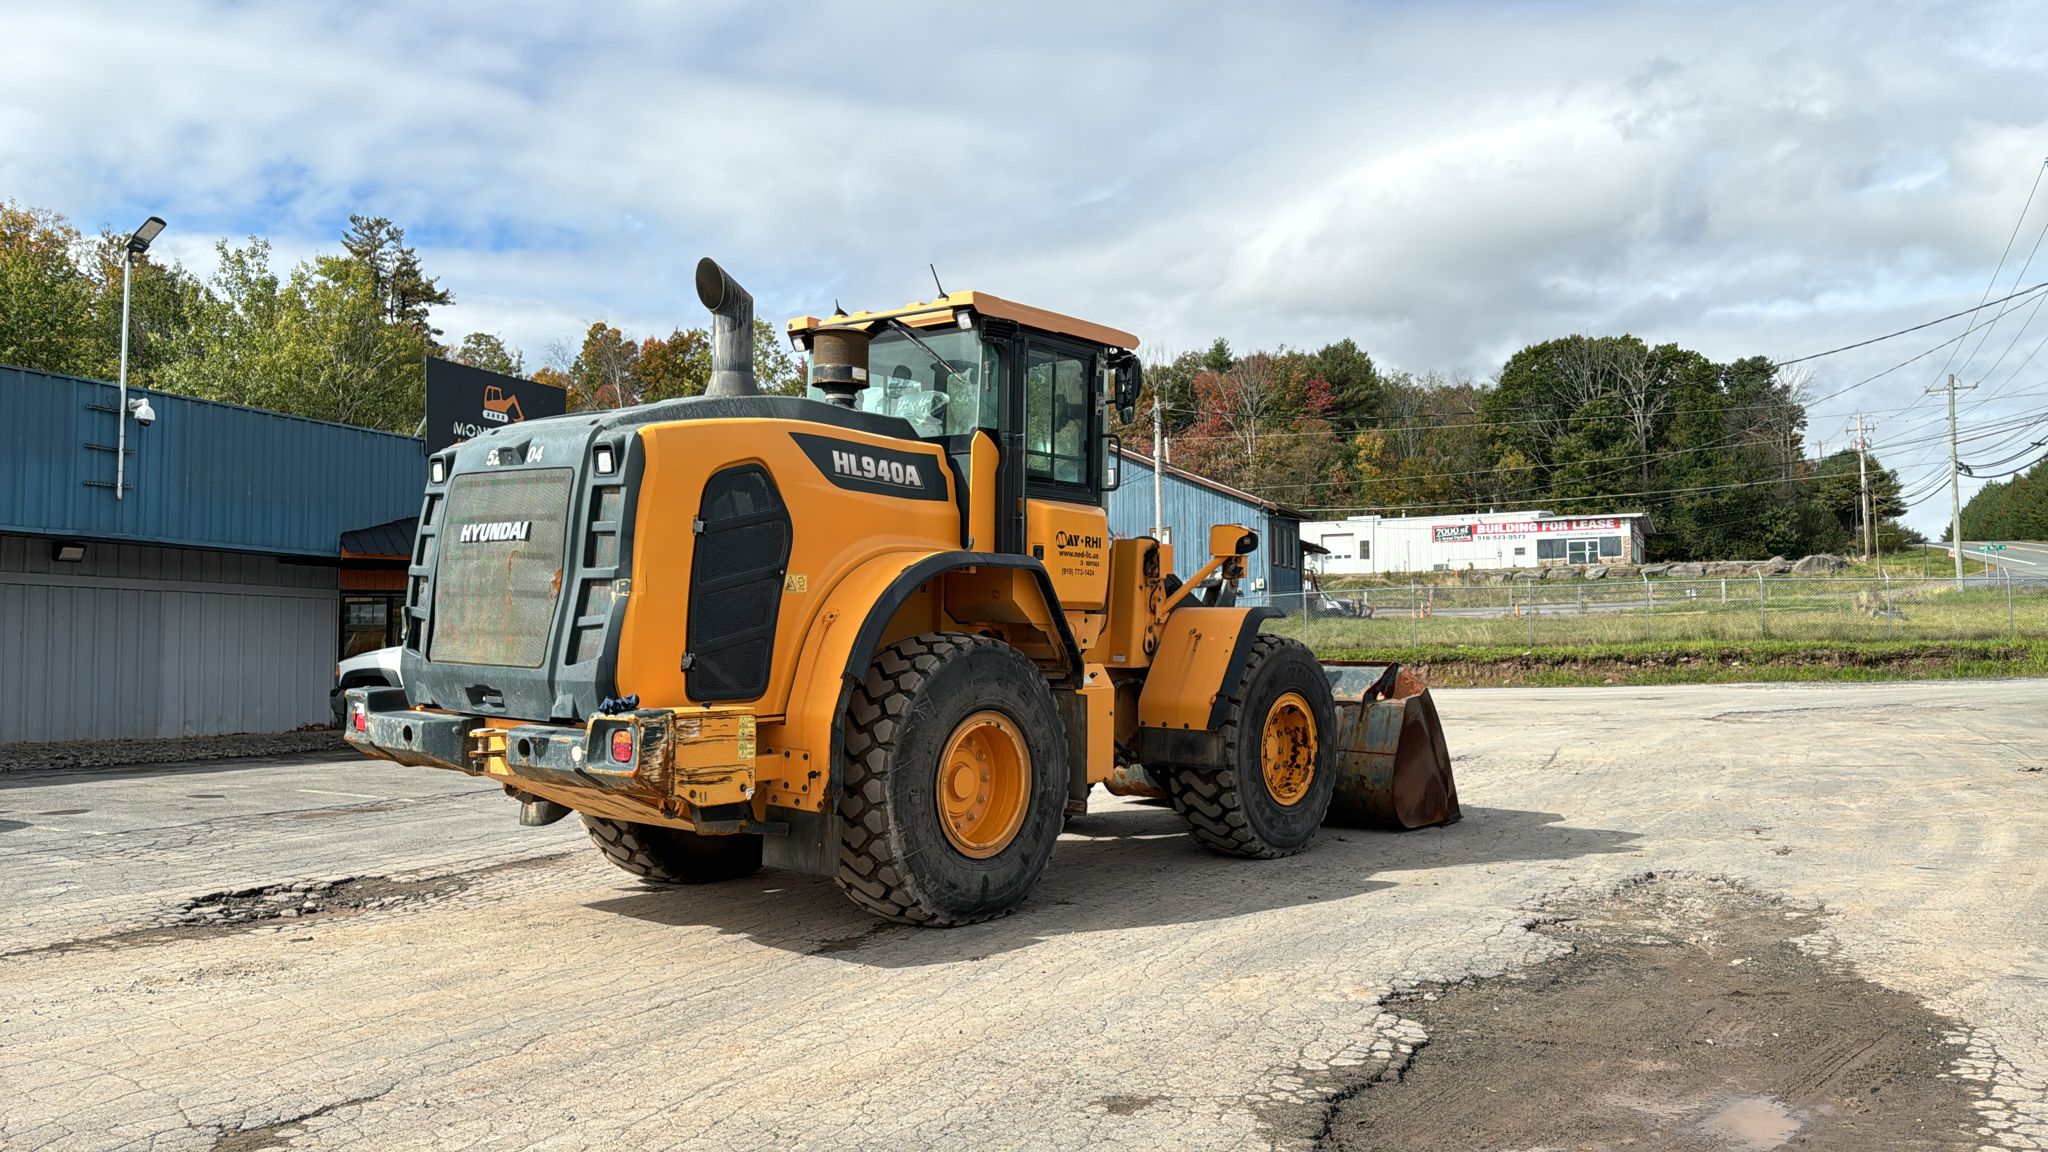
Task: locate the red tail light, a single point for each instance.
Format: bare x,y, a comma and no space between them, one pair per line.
622,746
362,718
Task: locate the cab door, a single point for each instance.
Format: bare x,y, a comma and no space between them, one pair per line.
1065,525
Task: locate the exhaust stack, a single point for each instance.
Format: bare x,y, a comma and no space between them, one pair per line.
732,331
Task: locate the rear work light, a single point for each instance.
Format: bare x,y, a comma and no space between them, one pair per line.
605,459
622,746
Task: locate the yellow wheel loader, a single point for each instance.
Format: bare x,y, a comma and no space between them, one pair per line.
880,632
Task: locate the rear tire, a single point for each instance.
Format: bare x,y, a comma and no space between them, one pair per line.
673,856
1244,810
954,781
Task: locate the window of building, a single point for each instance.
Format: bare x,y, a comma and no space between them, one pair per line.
370,622
1550,549
1582,551
1521,551
1056,410
1610,547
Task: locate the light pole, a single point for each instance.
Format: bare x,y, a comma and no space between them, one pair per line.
137,245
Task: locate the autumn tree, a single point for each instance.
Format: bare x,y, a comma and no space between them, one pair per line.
490,352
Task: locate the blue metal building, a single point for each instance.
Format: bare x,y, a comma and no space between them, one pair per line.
213,597
1191,505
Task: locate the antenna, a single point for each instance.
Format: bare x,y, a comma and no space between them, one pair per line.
935,279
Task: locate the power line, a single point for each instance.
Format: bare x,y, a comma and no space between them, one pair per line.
1988,284
1915,328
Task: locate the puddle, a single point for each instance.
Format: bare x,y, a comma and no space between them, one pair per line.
1752,1124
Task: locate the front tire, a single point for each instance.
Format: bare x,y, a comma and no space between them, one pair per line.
673,856
954,781
1280,756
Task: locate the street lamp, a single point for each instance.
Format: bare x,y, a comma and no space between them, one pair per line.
138,244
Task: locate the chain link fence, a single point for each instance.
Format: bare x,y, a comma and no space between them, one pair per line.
1533,613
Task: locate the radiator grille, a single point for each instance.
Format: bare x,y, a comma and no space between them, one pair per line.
499,567
736,585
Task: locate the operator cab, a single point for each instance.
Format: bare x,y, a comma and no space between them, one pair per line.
1037,383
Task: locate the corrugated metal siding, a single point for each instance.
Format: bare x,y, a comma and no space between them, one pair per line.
1190,511
204,475
137,641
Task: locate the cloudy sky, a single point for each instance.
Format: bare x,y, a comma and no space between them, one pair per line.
1443,182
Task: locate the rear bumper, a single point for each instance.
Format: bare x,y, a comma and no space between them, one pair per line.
696,766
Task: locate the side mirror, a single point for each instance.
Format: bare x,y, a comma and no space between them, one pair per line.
1232,540
1130,379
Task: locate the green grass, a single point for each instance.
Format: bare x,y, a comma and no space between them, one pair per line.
1547,614
1908,563
1708,662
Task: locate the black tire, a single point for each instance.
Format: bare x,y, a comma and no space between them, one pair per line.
673,856
895,859
1231,810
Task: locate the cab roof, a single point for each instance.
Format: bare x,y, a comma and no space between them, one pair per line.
940,312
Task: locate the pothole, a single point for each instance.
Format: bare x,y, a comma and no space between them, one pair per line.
288,905
344,895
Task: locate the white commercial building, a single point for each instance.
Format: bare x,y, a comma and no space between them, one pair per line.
1364,545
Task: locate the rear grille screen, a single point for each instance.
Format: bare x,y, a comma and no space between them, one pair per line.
499,567
736,585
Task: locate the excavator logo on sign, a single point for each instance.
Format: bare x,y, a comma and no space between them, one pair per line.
500,408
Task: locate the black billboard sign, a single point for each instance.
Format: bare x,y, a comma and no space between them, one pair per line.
1447,533
463,402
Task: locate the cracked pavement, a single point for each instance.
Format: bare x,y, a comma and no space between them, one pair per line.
1149,995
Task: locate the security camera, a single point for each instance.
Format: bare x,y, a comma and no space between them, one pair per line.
143,413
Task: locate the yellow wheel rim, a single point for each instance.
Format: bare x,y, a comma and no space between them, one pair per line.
1287,748
984,784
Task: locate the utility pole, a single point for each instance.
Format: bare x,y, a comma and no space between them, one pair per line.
1955,486
1158,469
1863,537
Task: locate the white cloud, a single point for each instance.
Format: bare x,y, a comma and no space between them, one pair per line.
1442,182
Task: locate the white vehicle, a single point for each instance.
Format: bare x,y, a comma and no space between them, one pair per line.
374,669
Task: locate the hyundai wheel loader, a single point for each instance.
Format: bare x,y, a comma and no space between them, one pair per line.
881,632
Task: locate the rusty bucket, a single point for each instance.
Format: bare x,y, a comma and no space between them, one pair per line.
1393,769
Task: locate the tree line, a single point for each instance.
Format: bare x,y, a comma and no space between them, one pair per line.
1714,452
342,336
2013,509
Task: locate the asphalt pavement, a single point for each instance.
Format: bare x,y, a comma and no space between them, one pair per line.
472,984
2025,559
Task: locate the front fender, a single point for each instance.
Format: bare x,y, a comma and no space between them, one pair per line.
1201,658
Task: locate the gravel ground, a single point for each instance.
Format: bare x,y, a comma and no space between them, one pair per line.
28,757
453,981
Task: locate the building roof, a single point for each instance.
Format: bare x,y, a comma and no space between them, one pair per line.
204,475
391,540
1216,485
1533,515
942,310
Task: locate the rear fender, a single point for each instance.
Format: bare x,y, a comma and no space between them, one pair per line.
904,593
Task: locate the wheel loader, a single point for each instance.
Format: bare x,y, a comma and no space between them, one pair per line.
880,632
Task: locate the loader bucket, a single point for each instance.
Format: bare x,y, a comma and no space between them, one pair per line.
1393,770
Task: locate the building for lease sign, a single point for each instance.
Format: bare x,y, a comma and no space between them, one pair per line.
1444,532
1533,527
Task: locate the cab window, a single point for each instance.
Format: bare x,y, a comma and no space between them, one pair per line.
947,386
1056,416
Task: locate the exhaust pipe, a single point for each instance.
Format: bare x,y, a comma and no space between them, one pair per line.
732,331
